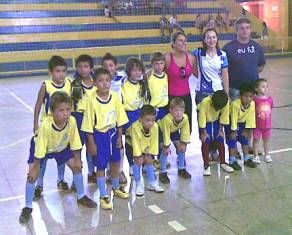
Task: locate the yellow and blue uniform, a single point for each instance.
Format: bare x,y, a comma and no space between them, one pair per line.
53,142
101,118
51,88
240,118
158,87
210,119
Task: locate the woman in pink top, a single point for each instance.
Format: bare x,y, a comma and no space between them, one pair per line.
180,65
264,105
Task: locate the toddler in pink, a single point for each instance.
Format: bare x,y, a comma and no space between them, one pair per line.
264,106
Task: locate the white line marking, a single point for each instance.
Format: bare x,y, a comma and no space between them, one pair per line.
15,143
177,226
14,109
155,209
281,150
19,100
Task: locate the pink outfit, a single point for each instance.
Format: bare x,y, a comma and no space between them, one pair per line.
178,78
264,108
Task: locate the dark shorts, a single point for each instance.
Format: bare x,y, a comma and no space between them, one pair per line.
161,112
240,138
79,117
133,116
212,129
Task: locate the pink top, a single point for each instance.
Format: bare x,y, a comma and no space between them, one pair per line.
264,112
178,77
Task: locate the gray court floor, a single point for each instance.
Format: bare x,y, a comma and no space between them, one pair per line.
253,201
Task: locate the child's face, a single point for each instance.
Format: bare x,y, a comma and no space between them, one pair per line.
110,66
158,66
103,82
246,98
58,74
262,89
136,73
177,112
147,121
61,113
83,69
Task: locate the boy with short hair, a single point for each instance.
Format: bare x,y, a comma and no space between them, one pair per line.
174,128
57,138
242,122
213,114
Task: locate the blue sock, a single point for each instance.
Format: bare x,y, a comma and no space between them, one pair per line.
137,172
150,173
102,186
163,162
61,172
90,165
29,194
246,157
40,179
232,159
181,160
78,182
116,183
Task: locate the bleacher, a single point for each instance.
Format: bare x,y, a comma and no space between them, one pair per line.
34,30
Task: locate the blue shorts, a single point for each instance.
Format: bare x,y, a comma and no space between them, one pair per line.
133,116
60,157
240,138
175,136
161,112
107,151
79,117
212,129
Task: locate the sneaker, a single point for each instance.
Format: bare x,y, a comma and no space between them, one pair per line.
91,178
63,185
184,174
235,166
139,190
25,215
87,202
121,193
207,171
123,179
256,160
268,158
38,192
163,178
155,187
250,163
105,203
225,167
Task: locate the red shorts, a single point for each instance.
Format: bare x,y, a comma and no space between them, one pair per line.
264,133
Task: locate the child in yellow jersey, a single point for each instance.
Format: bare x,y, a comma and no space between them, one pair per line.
143,145
213,114
158,85
103,119
133,95
174,128
58,82
242,122
57,138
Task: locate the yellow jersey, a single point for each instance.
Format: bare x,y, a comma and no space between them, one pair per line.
131,95
158,87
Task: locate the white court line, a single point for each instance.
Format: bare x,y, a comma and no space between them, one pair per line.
155,209
14,109
19,100
177,226
15,143
281,150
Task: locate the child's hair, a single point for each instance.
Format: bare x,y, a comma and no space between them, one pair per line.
59,97
177,102
157,56
134,62
109,56
56,61
148,109
245,88
99,72
84,58
258,82
219,99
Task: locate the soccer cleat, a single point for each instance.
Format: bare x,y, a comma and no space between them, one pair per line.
256,160
123,179
235,166
250,163
87,202
184,174
105,203
207,171
121,193
63,185
163,178
268,159
155,187
225,167
25,215
38,192
139,189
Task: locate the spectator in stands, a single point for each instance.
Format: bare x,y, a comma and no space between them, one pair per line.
265,32
219,22
174,23
107,11
199,23
243,13
211,23
226,21
164,25
180,65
